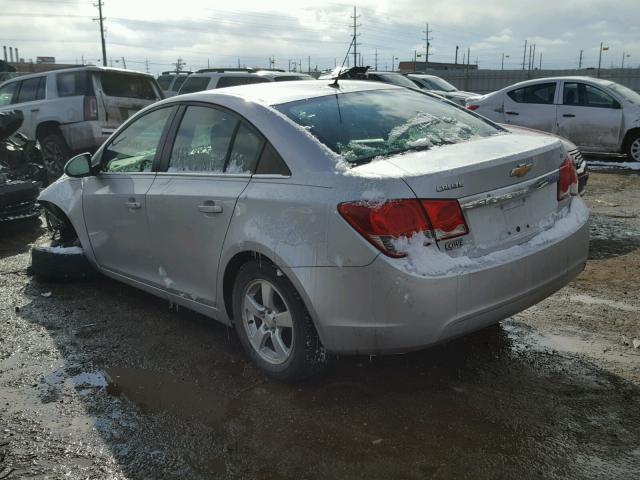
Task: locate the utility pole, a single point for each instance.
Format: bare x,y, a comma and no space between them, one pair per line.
540,67
355,37
146,64
101,19
427,43
600,58
502,64
624,54
580,61
309,60
124,63
456,61
376,68
529,62
524,55
533,57
415,60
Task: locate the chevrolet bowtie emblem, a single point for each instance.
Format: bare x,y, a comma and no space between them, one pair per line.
521,170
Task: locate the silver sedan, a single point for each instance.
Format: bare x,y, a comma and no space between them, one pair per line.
321,218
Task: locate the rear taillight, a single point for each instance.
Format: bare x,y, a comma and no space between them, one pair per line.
567,180
382,224
446,218
473,107
90,108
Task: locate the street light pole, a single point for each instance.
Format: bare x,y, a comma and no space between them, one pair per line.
600,60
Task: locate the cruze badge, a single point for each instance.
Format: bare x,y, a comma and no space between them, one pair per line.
521,170
449,186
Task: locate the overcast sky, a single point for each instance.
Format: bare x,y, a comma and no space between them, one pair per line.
219,33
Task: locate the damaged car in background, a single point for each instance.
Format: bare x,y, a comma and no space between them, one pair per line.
323,218
21,171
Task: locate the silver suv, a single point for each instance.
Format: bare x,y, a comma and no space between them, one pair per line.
76,109
211,78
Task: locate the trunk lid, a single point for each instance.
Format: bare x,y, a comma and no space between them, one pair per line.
506,185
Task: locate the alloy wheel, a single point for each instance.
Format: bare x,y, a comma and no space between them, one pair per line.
634,150
53,159
267,322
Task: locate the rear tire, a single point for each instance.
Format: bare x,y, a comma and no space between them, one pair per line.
288,351
633,147
61,264
55,154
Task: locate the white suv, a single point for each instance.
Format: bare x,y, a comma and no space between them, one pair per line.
76,109
211,78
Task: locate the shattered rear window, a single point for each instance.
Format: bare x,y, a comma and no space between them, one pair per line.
363,125
126,85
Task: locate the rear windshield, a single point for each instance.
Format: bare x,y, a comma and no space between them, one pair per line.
363,125
392,78
116,84
194,84
288,78
164,81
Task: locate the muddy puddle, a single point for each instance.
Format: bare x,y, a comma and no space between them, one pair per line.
611,236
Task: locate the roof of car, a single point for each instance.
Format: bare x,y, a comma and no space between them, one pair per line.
275,73
584,78
274,93
83,68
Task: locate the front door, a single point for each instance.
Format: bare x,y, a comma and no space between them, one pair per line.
191,204
114,201
589,117
532,106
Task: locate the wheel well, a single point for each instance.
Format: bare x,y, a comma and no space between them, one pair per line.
59,224
627,138
47,128
230,273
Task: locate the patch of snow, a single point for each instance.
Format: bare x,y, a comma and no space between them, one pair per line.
89,379
430,261
165,278
373,197
600,165
63,250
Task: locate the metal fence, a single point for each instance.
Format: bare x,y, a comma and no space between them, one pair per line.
485,81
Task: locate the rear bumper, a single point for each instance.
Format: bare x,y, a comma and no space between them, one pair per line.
381,308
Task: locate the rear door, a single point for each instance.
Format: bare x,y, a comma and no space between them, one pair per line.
532,106
25,96
114,201
191,203
589,117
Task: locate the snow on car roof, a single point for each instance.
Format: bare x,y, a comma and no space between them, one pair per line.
283,92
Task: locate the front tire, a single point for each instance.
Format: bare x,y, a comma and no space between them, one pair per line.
273,324
59,263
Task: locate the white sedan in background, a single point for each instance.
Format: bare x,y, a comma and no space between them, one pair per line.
441,87
597,115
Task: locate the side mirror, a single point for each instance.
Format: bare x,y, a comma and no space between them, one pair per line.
79,166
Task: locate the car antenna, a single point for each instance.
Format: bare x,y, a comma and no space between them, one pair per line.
335,82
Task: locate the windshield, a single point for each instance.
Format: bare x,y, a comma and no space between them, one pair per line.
394,79
363,125
164,81
437,83
626,92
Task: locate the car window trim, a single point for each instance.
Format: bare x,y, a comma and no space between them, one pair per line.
168,147
125,125
537,84
597,87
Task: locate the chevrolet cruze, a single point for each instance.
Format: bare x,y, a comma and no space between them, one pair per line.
319,217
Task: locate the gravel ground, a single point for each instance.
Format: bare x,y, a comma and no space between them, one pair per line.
99,380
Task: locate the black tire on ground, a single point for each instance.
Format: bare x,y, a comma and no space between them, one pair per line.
308,356
633,147
61,265
55,154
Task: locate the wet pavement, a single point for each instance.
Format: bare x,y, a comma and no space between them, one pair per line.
99,380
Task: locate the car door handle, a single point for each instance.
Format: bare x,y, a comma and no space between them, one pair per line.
34,110
210,208
568,115
133,204
512,113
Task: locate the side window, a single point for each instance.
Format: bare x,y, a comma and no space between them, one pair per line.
271,163
244,154
134,149
74,83
581,94
7,93
30,90
570,94
541,94
597,98
202,141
